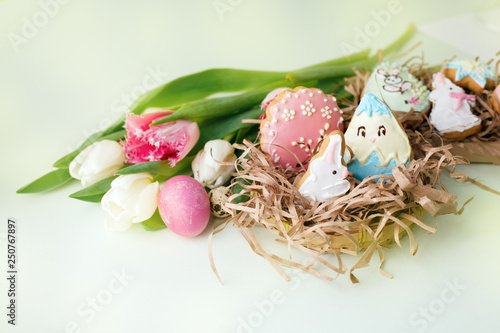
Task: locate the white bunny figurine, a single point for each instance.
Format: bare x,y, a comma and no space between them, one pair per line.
326,173
451,113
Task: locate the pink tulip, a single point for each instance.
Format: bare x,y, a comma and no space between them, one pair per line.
170,141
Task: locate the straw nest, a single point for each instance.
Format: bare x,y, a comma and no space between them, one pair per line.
369,217
372,214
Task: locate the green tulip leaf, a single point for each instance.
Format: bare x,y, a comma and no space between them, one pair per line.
203,84
159,167
239,186
217,107
154,222
47,182
94,192
224,126
350,58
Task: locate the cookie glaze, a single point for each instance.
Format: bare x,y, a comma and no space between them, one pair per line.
451,110
398,88
372,167
326,175
476,70
496,99
296,121
271,97
376,139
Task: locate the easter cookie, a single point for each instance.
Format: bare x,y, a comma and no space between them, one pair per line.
326,174
398,88
495,99
376,138
271,97
296,121
451,113
471,74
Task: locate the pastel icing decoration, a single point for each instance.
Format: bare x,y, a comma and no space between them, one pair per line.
398,88
326,174
451,113
376,138
471,74
296,122
271,97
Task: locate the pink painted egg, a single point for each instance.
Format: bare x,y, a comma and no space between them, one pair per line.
184,206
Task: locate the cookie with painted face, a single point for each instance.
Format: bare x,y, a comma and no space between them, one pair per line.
471,74
451,113
326,174
296,122
376,139
398,88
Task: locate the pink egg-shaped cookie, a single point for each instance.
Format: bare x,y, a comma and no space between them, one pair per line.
296,121
184,206
271,97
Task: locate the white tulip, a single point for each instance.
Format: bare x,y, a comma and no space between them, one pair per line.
205,165
131,199
98,161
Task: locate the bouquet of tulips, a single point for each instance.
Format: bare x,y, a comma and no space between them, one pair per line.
124,165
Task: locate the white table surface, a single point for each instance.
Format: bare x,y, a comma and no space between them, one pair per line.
80,66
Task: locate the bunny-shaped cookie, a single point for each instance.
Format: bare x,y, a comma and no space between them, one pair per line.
451,113
325,176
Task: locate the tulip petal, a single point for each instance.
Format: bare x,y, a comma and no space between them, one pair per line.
170,141
207,167
120,223
131,199
142,121
147,203
98,161
126,182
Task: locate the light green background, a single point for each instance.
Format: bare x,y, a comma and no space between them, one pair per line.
74,76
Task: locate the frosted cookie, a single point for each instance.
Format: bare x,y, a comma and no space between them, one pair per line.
271,97
377,140
495,99
326,174
471,74
398,88
295,123
451,113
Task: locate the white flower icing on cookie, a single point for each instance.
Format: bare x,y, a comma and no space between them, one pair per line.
376,139
398,88
451,111
295,123
326,174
